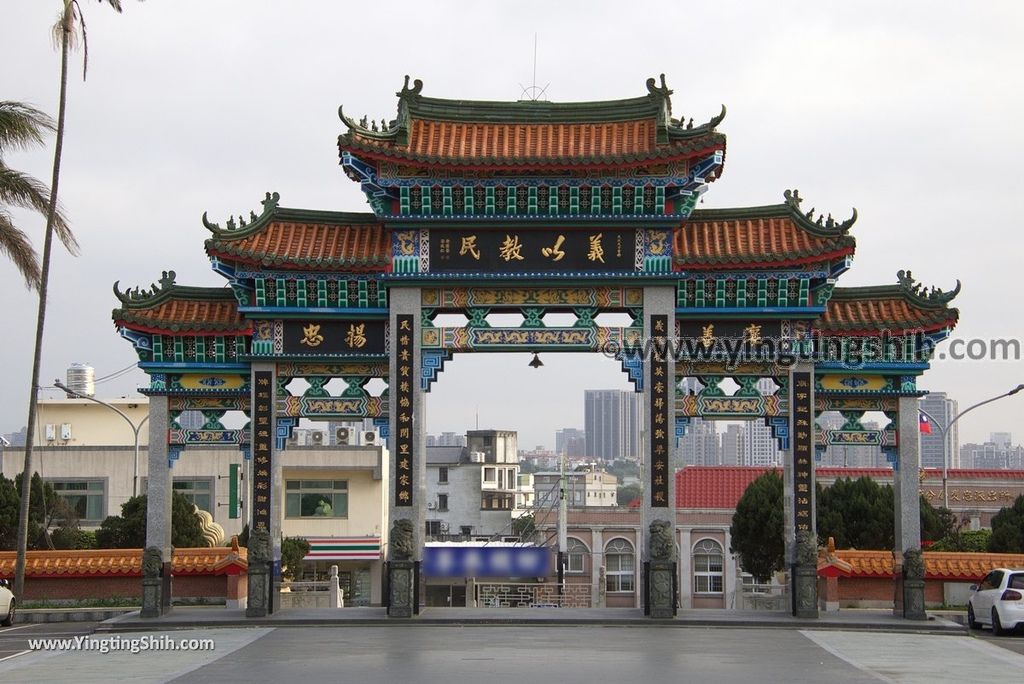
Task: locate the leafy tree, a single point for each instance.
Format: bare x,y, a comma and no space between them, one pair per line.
66,32
1008,529
524,526
293,550
128,531
963,541
8,514
21,127
73,538
626,494
859,514
757,529
50,516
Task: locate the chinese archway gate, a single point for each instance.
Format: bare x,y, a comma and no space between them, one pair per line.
534,208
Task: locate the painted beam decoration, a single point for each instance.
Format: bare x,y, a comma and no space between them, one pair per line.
263,447
520,250
660,407
803,450
325,337
404,396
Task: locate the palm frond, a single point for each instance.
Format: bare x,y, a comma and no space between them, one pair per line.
116,4
21,190
16,245
22,126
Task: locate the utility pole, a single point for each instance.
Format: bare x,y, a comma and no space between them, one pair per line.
563,529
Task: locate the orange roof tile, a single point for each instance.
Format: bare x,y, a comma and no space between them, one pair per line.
187,313
122,562
357,247
871,310
711,239
937,564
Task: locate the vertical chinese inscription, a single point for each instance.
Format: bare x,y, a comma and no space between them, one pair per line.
803,454
262,448
659,397
404,431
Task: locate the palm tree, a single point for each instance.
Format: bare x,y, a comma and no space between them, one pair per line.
67,31
22,126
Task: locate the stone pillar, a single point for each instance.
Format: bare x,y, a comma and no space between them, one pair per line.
406,302
156,594
238,591
729,584
909,590
799,489
597,593
266,492
656,538
686,568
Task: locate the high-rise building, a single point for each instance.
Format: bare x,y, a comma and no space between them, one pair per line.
760,448
700,445
612,423
942,410
733,445
571,442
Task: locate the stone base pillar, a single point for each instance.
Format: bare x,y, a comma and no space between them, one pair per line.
662,601
400,580
805,591
259,590
913,599
151,597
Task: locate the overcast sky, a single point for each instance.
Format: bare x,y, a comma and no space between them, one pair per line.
909,111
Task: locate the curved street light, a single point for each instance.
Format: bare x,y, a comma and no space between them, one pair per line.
135,428
944,431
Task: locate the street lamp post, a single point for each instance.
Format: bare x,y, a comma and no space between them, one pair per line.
945,432
135,428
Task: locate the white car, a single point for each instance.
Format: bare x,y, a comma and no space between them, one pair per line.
6,604
998,601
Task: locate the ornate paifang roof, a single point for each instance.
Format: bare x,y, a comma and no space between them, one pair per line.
766,236
174,309
222,560
896,308
302,239
532,133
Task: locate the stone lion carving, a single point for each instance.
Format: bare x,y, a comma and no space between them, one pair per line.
663,546
259,546
152,562
806,549
402,546
913,564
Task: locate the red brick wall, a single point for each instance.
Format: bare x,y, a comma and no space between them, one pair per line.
53,588
882,589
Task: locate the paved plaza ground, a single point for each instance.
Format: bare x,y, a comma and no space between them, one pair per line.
536,652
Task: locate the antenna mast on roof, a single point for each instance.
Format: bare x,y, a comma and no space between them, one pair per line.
533,93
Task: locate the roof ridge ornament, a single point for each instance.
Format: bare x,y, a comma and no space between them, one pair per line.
933,297
417,87
823,224
269,202
136,295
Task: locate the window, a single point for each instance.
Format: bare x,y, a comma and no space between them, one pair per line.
707,567
619,565
442,475
442,502
577,552
85,497
489,475
433,528
316,498
501,478
197,491
465,530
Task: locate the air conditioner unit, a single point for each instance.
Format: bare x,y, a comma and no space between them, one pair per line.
65,431
51,432
317,438
369,437
341,435
292,440
431,505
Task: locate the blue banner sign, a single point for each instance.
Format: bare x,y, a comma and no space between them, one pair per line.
486,561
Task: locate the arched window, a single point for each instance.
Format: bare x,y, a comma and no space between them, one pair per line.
577,552
708,561
619,565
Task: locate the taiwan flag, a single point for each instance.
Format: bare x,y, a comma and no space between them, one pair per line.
924,425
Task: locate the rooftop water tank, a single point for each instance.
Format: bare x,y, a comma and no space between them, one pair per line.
82,379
